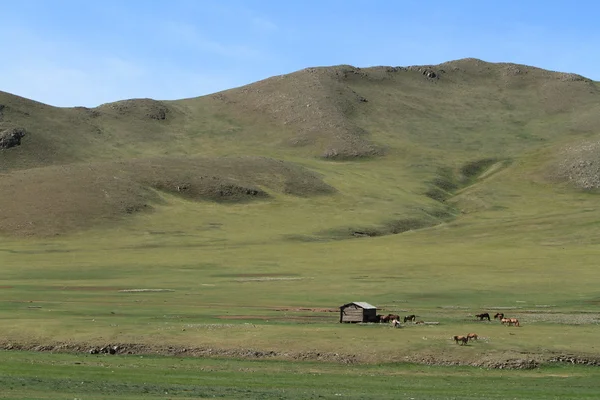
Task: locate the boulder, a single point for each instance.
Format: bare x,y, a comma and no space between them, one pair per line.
11,137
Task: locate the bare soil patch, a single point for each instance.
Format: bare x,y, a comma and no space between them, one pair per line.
302,309
87,288
287,318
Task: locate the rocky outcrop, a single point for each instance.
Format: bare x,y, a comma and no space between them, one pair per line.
11,137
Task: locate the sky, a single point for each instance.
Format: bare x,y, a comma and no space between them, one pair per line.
89,52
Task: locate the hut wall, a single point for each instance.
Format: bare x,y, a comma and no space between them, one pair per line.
352,314
369,315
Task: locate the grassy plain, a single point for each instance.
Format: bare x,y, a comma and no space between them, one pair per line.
236,279
59,376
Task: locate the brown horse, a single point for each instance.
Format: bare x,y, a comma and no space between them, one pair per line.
483,316
389,318
472,336
510,321
462,339
499,316
410,318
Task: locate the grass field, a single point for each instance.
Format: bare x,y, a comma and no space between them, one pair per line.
55,376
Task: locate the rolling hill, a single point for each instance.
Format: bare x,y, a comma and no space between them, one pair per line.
421,132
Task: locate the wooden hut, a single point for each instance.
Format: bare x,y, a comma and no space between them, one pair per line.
358,311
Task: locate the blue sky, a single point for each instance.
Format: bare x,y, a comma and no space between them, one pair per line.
69,53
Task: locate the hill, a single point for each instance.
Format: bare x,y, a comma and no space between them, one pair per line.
414,128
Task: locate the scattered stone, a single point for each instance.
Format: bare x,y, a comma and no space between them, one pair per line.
429,73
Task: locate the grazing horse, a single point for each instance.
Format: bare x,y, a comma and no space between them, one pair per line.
510,321
472,336
388,318
410,318
462,339
499,316
396,323
483,316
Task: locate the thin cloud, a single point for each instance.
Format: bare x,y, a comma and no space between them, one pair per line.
188,35
70,75
264,25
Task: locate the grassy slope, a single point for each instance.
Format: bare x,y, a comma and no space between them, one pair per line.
520,242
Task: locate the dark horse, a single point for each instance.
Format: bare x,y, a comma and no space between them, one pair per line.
499,316
483,316
410,318
462,339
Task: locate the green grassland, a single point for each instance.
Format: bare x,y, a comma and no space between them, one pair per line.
436,197
52,376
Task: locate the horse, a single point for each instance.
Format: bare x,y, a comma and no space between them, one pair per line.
499,316
388,318
483,316
411,318
514,322
472,336
462,339
396,323
507,321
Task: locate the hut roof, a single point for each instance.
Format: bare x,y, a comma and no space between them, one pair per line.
362,305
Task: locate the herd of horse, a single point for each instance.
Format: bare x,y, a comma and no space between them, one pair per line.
394,319
500,317
462,340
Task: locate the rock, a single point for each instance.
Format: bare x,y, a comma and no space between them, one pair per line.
11,137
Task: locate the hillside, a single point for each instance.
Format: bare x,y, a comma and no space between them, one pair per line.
389,146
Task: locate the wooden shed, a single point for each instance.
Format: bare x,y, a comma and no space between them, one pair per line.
358,311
